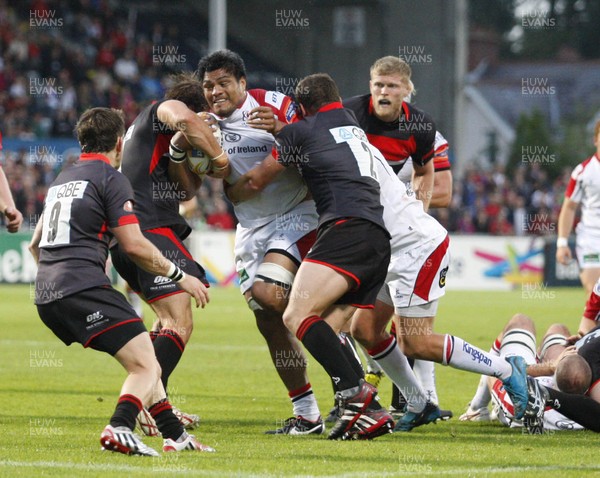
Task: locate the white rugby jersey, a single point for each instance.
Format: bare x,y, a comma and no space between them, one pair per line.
247,147
584,188
403,214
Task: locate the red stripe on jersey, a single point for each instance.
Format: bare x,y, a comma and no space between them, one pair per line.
286,113
336,105
592,307
129,219
573,181
429,270
338,269
441,161
103,230
94,157
161,147
165,231
305,243
589,390
503,398
393,149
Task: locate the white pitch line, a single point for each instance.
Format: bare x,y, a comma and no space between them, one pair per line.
163,468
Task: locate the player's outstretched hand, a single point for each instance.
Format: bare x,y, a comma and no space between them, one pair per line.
14,219
196,289
263,117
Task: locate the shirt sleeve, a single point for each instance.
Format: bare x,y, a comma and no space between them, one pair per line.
288,145
425,140
574,189
118,201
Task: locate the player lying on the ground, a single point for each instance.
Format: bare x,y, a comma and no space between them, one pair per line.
563,378
89,203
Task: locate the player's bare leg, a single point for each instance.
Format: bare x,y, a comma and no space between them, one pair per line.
457,353
519,332
174,317
268,299
315,288
369,327
589,277
143,387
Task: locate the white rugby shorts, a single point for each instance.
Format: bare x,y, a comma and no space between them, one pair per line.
282,234
416,278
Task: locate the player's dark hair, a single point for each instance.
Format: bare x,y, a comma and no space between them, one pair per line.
188,89
315,91
98,129
230,61
573,374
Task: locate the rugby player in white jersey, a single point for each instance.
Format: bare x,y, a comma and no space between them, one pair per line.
276,218
583,189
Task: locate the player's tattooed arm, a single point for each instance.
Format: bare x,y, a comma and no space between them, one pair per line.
180,174
177,116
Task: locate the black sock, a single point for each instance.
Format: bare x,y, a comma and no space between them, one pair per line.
168,348
349,349
324,345
127,409
166,421
579,408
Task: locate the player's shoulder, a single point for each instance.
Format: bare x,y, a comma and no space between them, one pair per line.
414,114
282,104
583,168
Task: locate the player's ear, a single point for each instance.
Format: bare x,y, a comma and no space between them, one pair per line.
242,83
119,145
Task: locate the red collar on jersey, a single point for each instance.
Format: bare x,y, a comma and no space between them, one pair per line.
93,157
336,105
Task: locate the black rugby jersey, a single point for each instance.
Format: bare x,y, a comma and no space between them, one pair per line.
145,163
412,135
333,155
84,201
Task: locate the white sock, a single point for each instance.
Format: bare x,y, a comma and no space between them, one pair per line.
304,403
464,356
519,342
395,365
372,365
483,396
425,372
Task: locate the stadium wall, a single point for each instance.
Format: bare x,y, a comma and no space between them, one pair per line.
477,262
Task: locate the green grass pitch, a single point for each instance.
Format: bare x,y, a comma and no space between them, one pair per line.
55,401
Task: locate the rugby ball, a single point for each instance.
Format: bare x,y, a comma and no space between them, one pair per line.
198,160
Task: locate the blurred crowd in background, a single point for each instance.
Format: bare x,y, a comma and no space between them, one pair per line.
49,76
